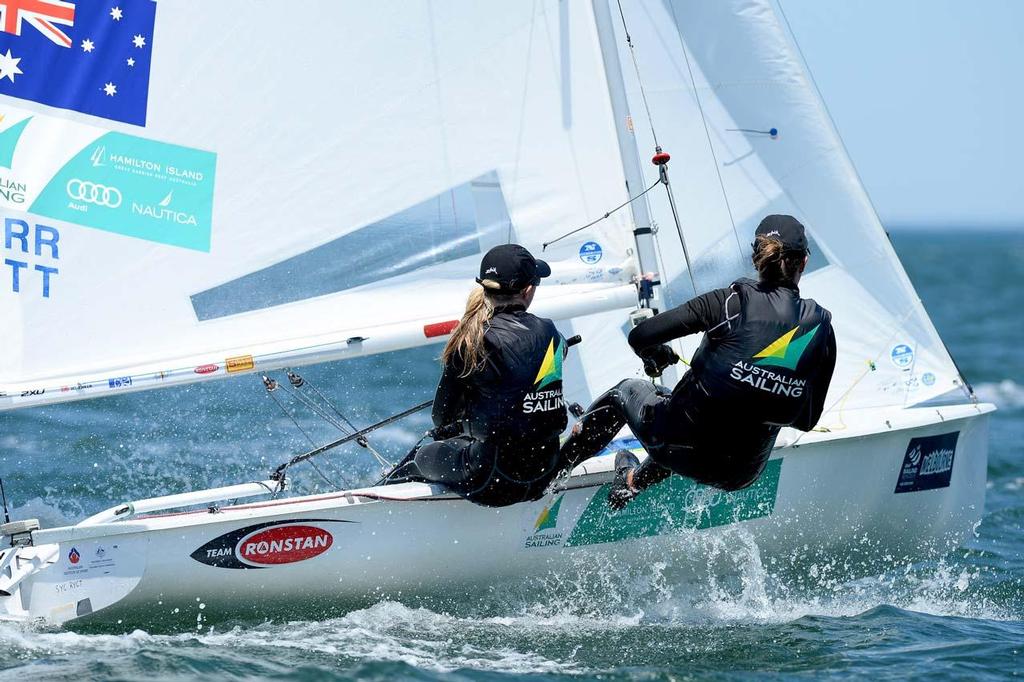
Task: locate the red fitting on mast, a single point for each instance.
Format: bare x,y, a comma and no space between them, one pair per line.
660,158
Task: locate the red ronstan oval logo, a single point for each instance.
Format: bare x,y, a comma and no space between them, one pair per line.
283,545
205,369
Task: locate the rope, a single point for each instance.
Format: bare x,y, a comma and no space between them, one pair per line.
840,402
604,217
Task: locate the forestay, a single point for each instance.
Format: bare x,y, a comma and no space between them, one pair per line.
284,186
733,102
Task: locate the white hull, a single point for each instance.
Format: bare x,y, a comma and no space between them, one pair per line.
829,495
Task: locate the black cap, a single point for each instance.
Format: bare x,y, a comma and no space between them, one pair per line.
786,229
513,267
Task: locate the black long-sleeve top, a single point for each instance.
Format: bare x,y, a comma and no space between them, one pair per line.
738,322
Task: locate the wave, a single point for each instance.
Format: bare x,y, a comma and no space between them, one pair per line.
1006,394
589,616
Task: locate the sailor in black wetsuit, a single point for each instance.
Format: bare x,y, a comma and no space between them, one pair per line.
498,411
765,362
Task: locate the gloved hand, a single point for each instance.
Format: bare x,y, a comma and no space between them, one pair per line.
446,431
657,358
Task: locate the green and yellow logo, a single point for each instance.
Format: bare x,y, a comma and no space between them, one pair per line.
551,366
549,517
786,351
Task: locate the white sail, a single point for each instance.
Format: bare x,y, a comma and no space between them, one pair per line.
307,185
733,103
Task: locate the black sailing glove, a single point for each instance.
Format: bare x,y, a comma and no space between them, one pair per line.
657,358
446,431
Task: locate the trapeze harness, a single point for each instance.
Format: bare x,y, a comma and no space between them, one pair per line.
510,413
765,362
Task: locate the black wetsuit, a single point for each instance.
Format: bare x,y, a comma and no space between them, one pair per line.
511,413
765,362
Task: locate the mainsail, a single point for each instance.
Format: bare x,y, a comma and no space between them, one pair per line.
286,187
310,183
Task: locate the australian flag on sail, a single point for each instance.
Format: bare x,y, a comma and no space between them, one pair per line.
90,56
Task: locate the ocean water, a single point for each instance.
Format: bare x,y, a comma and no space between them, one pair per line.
960,616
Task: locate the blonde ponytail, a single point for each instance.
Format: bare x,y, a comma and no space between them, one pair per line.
465,347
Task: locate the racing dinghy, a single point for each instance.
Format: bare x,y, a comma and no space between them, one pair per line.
328,193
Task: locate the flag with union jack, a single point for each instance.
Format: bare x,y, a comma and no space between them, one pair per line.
91,56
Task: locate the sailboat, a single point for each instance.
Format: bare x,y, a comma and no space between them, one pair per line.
225,191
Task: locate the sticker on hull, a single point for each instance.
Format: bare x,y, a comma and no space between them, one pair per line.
928,463
673,504
265,545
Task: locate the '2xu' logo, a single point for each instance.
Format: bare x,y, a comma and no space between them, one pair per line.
928,463
265,545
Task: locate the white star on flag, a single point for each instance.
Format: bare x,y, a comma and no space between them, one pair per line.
9,66
88,45
110,89
139,41
116,14
131,61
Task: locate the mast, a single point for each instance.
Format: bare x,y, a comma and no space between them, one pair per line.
643,228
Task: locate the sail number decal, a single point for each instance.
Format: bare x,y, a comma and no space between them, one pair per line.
268,544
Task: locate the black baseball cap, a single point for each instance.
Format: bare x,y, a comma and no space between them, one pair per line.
513,267
786,229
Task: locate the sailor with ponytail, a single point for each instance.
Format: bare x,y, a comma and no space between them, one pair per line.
498,410
765,362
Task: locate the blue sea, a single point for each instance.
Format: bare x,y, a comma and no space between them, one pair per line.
961,616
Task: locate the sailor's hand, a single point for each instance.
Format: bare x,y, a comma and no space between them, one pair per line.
657,358
446,431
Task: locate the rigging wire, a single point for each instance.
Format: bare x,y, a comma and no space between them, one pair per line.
636,67
661,158
279,472
604,217
338,412
271,385
303,432
318,410
298,382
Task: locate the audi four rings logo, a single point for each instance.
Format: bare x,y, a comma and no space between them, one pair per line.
92,193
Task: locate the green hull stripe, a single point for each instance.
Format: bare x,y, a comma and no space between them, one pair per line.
673,504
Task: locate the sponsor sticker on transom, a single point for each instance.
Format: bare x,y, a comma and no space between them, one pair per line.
928,463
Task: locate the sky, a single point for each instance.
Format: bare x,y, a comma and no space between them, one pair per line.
928,96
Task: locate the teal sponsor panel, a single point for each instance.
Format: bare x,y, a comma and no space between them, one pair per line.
136,187
675,503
